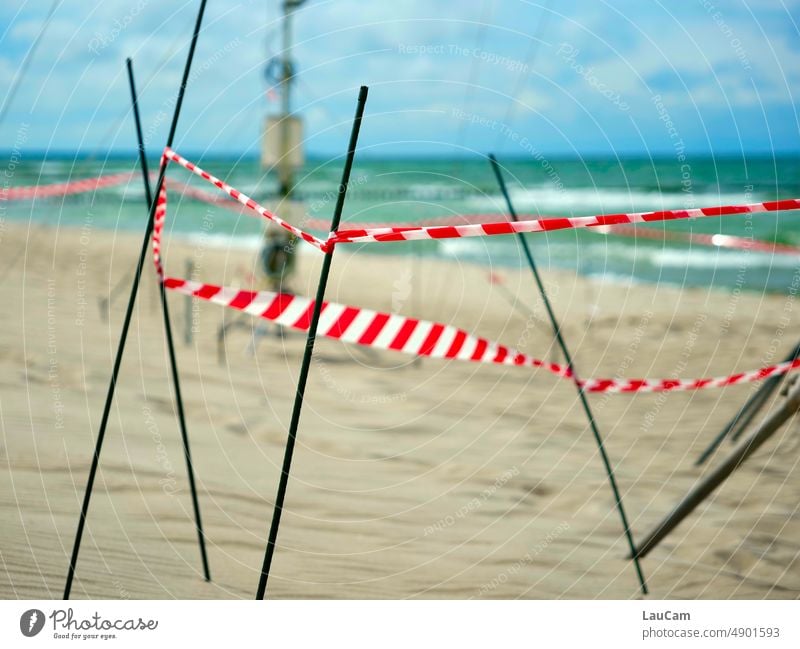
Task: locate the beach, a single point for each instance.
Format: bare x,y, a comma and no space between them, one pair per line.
411,478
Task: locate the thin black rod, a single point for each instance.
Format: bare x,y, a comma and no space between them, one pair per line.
26,61
769,387
170,345
312,334
709,483
127,321
568,358
741,420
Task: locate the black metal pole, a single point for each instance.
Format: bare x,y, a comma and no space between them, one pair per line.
170,346
568,358
741,420
127,321
312,333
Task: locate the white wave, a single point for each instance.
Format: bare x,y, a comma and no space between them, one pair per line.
469,248
692,258
613,253
547,199
128,191
54,168
432,191
608,277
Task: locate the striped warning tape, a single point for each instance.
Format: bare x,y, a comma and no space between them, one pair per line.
363,326
63,189
714,240
245,200
425,338
408,233
386,234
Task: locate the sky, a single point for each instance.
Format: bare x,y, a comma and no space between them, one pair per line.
517,77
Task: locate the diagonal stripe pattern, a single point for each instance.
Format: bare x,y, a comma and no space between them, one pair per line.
422,337
245,200
481,225
425,338
416,233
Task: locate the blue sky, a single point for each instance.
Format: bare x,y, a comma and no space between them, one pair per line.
446,78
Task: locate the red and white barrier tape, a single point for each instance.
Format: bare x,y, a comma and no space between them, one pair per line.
363,326
388,331
158,226
245,200
713,240
425,338
63,189
547,225
407,233
716,240
452,219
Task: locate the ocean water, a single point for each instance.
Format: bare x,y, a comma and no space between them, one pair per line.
409,191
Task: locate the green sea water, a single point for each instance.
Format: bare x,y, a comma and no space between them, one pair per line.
413,190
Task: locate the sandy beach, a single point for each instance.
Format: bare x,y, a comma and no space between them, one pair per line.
424,479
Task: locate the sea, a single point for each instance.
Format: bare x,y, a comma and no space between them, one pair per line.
408,191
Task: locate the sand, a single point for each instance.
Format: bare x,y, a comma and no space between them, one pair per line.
411,479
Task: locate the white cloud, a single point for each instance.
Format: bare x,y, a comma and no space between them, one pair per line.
633,48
